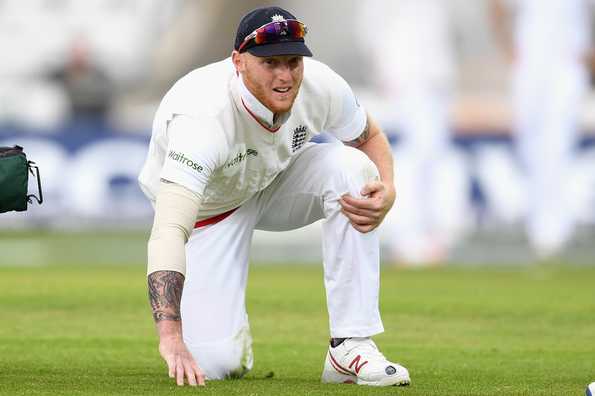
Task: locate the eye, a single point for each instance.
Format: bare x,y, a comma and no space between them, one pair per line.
270,61
295,61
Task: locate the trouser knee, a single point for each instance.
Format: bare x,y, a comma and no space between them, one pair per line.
221,359
350,169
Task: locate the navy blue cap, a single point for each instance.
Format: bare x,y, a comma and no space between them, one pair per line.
260,17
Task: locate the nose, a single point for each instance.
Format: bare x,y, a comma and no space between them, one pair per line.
284,71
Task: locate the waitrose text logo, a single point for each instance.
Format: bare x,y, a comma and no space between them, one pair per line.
179,157
241,157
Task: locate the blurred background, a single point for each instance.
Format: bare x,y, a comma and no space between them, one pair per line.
489,106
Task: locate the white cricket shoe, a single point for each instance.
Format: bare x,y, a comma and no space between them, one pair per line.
358,361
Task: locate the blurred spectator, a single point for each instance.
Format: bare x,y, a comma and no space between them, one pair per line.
86,84
548,43
61,56
411,44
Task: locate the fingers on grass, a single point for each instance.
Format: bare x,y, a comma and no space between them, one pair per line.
190,374
179,372
171,367
200,377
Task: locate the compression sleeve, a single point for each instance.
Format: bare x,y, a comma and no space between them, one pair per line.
176,209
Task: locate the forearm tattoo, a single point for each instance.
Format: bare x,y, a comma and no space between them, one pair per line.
361,139
165,293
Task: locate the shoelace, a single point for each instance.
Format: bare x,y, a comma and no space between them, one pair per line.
365,347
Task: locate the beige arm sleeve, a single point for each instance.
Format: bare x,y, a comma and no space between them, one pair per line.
176,209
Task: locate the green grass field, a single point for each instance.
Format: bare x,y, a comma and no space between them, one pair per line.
81,330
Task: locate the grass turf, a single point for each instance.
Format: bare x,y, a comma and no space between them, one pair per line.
81,330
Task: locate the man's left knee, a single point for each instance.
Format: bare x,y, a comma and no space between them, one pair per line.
352,169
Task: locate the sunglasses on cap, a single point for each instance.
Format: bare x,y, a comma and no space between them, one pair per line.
277,31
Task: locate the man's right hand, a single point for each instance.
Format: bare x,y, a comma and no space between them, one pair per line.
165,293
180,362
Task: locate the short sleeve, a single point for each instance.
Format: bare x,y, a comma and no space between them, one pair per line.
347,118
194,150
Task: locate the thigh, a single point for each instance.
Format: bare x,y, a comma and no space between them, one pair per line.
309,189
213,303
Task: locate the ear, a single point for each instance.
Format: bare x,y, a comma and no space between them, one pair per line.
238,61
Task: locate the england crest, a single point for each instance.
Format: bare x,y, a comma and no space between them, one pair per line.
299,138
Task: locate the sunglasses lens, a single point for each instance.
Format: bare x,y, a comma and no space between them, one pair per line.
296,29
277,31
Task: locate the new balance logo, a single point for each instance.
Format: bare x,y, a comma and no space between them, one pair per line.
179,157
355,362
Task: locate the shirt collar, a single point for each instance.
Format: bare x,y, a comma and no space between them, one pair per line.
257,109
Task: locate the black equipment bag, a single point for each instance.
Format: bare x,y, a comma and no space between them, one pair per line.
14,177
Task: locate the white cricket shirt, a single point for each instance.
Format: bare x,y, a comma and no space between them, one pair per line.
211,135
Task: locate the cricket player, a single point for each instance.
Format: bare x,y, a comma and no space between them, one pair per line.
230,153
415,63
549,47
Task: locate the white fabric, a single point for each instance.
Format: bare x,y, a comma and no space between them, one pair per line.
192,172
213,301
226,357
239,156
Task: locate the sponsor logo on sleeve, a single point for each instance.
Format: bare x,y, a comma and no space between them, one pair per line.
182,159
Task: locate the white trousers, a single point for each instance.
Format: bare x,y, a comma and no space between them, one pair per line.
214,318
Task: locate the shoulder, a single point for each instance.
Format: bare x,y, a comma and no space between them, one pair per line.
198,133
202,92
322,81
328,93
320,73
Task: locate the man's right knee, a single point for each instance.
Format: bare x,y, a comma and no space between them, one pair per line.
229,358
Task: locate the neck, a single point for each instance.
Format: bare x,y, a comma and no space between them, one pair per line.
258,109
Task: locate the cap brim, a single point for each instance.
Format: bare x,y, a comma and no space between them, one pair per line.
282,48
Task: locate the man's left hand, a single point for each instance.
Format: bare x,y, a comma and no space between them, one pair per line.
365,214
